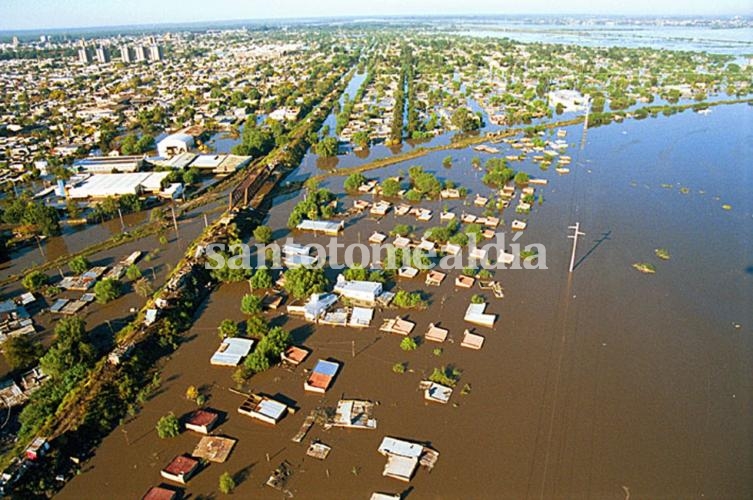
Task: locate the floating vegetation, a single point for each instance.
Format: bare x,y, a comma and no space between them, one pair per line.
466,390
727,207
398,368
437,351
662,253
685,190
667,186
644,267
445,376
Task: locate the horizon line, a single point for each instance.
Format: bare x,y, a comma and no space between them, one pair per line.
261,20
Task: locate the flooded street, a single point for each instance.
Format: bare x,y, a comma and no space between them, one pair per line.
605,383
155,267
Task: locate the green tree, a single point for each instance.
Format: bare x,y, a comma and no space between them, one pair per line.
21,352
361,139
464,120
227,483
133,272
34,281
301,282
263,234
327,147
255,141
257,326
107,290
168,426
354,181
409,300
71,348
261,279
390,187
79,265
408,344
191,176
521,178
251,304
228,328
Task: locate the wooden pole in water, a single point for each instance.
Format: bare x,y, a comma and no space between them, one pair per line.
574,236
122,224
39,244
175,221
206,221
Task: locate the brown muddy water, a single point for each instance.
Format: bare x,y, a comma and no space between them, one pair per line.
118,313
603,384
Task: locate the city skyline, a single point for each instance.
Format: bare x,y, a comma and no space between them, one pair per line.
71,14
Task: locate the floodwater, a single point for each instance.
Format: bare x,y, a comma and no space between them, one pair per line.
605,383
156,267
732,41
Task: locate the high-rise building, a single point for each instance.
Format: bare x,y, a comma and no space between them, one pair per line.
85,55
15,41
103,54
126,54
140,53
155,53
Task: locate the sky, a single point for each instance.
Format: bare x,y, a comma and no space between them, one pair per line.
38,14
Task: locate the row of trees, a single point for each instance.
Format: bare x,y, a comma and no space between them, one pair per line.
31,216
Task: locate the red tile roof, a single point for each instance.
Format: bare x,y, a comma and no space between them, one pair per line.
202,417
158,493
181,465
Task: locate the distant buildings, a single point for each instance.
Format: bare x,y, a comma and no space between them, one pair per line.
85,55
103,54
126,54
136,52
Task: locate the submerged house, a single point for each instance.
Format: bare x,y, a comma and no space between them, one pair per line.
397,325
358,291
202,421
354,414
321,226
263,408
295,255
475,314
316,307
434,392
231,351
180,469
322,376
404,457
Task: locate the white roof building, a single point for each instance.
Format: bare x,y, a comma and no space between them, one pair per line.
362,291
231,351
106,185
174,144
475,314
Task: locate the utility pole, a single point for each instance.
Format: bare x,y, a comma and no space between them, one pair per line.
574,236
585,122
39,244
175,221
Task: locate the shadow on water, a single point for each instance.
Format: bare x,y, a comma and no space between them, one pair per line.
604,237
243,474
